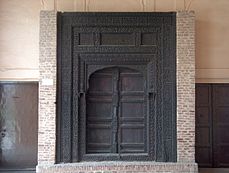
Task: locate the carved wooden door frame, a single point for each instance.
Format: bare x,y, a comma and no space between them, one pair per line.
149,40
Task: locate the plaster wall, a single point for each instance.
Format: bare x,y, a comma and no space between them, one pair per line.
19,32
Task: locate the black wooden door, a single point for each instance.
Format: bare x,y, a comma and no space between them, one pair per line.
204,147
132,125
116,86
116,109
100,108
221,125
212,125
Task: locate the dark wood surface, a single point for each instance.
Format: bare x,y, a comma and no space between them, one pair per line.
18,125
212,125
116,107
133,116
221,125
204,124
213,170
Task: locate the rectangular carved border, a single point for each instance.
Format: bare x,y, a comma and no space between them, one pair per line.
67,117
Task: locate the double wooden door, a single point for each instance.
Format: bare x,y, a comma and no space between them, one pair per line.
116,112
212,125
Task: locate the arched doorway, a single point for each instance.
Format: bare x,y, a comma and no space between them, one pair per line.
117,112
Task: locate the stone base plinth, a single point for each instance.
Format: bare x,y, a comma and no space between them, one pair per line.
119,167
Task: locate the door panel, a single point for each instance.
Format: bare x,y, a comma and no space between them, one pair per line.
133,112
204,125
18,125
212,125
99,112
221,125
204,115
204,157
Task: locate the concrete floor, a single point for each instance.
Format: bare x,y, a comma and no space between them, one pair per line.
214,170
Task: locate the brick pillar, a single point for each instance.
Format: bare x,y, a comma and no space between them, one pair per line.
185,87
47,88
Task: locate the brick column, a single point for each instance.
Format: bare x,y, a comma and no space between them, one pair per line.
185,87
47,88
